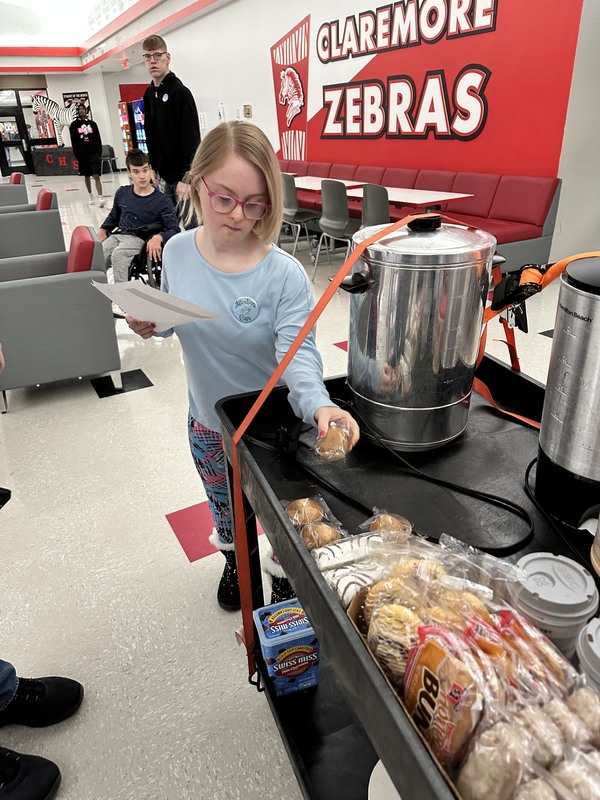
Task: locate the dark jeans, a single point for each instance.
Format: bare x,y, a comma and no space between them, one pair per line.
8,683
181,209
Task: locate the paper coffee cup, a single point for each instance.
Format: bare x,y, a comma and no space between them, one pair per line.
588,651
558,596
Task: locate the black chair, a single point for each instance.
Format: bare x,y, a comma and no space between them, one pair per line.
294,216
375,205
335,222
108,157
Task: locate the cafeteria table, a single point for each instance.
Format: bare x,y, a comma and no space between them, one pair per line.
420,198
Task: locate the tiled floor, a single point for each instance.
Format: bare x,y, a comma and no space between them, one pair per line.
96,585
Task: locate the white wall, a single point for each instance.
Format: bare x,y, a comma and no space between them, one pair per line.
578,228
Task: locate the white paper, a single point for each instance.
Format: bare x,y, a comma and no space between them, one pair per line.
151,305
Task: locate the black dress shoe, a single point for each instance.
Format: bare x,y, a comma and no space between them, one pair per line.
42,701
228,593
24,777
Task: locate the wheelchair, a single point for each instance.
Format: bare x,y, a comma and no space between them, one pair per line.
145,269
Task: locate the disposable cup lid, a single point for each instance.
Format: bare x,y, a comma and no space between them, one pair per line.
556,586
588,645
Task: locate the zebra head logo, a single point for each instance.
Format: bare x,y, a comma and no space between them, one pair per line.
60,116
291,92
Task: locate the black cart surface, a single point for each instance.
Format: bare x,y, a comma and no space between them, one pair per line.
335,733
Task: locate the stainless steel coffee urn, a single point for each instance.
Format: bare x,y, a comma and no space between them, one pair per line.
567,481
418,296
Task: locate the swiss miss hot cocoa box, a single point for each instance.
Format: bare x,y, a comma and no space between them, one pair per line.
289,646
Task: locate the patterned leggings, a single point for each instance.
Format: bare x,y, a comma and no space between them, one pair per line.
209,458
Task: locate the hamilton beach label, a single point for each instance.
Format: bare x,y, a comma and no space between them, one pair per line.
575,314
245,309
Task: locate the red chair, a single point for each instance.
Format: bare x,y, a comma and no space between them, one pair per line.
16,177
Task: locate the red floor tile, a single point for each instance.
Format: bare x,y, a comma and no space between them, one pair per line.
192,526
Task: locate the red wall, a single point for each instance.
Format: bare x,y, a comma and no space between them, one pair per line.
132,91
522,54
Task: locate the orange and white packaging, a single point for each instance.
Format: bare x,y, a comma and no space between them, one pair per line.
442,696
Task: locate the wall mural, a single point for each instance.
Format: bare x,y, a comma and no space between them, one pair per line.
479,85
289,60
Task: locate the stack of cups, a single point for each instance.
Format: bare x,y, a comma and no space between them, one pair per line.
558,596
588,650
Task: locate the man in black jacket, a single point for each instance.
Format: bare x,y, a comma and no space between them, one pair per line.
170,119
87,149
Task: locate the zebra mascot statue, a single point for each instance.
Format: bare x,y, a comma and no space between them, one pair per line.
60,116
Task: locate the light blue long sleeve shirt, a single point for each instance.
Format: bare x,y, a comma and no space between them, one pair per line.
260,313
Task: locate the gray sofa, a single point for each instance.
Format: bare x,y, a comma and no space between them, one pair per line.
12,194
54,324
46,200
26,233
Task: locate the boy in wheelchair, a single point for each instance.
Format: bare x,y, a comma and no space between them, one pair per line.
141,218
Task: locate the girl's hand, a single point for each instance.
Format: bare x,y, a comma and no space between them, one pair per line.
327,414
143,329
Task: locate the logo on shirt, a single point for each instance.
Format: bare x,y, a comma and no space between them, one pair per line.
165,97
245,309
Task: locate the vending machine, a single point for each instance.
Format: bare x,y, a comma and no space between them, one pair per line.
140,131
127,128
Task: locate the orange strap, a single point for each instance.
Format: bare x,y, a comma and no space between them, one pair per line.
529,275
241,540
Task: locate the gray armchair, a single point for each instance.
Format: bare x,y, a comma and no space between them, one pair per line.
25,233
46,200
12,194
54,324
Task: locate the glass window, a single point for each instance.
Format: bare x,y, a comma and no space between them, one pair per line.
25,95
9,129
8,97
14,156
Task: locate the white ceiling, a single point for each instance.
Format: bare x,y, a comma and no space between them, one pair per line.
58,23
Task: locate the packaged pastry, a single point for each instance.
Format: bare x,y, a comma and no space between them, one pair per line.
392,632
578,776
382,521
585,703
304,511
536,789
548,744
423,568
442,697
574,731
319,534
495,764
391,590
335,444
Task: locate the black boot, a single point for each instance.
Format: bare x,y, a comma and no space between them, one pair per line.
281,589
24,777
228,593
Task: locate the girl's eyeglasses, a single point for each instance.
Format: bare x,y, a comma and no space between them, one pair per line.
224,204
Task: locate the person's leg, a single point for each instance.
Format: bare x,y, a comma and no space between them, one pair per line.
88,186
168,190
98,183
8,683
108,246
126,248
207,451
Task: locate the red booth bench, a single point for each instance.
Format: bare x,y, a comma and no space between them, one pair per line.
518,210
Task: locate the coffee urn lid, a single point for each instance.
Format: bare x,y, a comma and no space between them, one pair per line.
584,274
428,243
